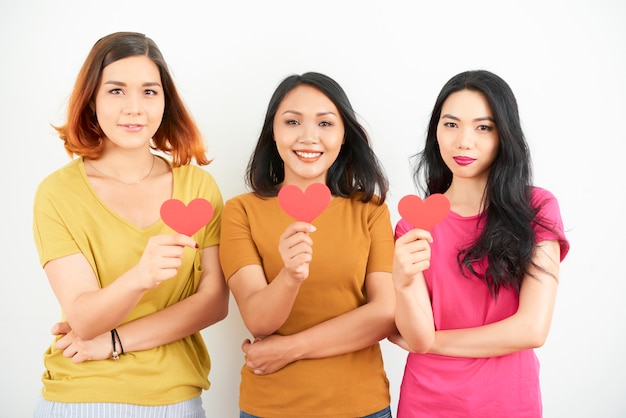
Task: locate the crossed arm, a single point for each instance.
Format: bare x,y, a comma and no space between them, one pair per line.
349,332
86,334
527,328
265,308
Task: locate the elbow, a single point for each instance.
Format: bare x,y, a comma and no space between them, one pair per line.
217,311
388,315
222,312
81,327
423,343
419,350
258,330
537,339
422,346
386,320
260,326
219,303
418,340
536,336
86,333
218,314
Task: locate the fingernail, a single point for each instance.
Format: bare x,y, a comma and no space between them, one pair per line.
197,246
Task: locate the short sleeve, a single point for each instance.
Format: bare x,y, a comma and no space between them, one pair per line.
548,224
237,247
402,227
381,251
191,182
52,236
213,194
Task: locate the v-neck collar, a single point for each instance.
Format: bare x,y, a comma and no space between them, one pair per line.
155,225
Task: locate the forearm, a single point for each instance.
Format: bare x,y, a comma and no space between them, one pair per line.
208,305
266,310
175,322
527,328
497,339
414,318
352,331
98,311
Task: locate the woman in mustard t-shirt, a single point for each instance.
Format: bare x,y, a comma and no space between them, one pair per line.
316,296
134,295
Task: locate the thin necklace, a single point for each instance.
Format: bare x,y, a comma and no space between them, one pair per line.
121,181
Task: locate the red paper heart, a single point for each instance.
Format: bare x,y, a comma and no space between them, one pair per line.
304,206
424,214
186,219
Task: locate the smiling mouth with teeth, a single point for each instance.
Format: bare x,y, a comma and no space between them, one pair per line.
308,154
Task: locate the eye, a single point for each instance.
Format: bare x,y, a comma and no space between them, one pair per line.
450,124
292,122
116,91
150,92
326,123
484,128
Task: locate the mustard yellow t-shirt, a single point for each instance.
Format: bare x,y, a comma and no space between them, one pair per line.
70,218
352,239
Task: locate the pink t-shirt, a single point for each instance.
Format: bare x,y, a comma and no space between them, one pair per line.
442,386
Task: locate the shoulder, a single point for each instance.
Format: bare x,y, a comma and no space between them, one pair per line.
193,181
249,200
369,211
250,208
548,223
538,194
63,178
193,173
375,203
544,201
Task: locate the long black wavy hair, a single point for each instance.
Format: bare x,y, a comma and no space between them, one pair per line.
356,168
508,239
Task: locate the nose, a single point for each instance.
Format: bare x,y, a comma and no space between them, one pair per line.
465,139
132,106
307,140
308,134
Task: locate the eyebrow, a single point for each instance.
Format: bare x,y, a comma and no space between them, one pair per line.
318,114
449,116
121,83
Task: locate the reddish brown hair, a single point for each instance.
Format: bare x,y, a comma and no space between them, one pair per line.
178,135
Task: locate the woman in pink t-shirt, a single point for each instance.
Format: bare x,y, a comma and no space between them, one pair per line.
475,294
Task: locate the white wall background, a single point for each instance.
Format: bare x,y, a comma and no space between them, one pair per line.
565,60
